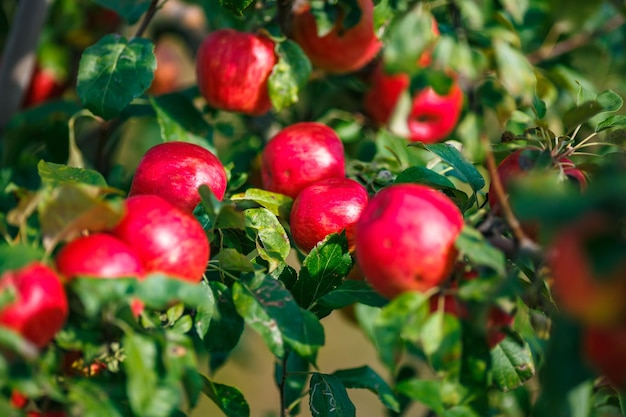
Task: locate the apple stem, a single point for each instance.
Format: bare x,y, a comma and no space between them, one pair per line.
524,242
147,18
19,55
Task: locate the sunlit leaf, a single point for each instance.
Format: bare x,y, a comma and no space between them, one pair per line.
53,175
272,241
289,75
278,204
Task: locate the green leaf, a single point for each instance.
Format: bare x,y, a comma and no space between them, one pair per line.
512,364
130,10
323,270
147,396
236,7
52,175
160,291
328,397
113,72
610,100
289,75
366,377
441,340
472,244
181,366
351,291
91,399
278,204
514,70
180,120
407,40
229,399
462,167
18,256
517,9
295,374
231,260
95,293
427,392
425,176
402,318
271,239
270,309
225,326
610,122
580,114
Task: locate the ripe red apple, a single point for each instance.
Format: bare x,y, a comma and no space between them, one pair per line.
405,239
604,348
98,255
325,207
168,71
521,162
175,170
580,290
300,155
166,239
340,50
18,400
233,68
40,307
44,85
432,117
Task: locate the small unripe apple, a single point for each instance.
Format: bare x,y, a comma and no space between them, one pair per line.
233,70
432,117
98,255
340,50
325,207
175,170
594,296
405,239
40,307
166,239
604,348
300,155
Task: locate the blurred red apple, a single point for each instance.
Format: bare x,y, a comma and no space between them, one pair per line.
98,255
325,207
341,50
168,70
44,85
583,288
40,306
604,348
431,118
175,170
405,239
300,155
233,69
166,239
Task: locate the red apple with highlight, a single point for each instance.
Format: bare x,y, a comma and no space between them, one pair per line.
175,170
340,50
405,239
300,155
325,207
166,239
233,68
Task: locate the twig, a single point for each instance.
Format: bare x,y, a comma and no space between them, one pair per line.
147,18
285,16
524,241
19,56
284,408
574,42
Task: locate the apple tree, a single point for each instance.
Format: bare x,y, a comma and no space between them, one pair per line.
448,173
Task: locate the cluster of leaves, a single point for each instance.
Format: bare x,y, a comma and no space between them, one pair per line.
91,145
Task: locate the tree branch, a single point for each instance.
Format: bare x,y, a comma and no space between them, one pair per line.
574,42
147,18
19,56
285,16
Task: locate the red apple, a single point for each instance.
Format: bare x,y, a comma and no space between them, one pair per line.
325,207
18,400
175,170
168,70
340,50
580,290
522,161
233,69
405,239
432,117
300,155
44,85
98,255
46,414
40,307
166,239
604,348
